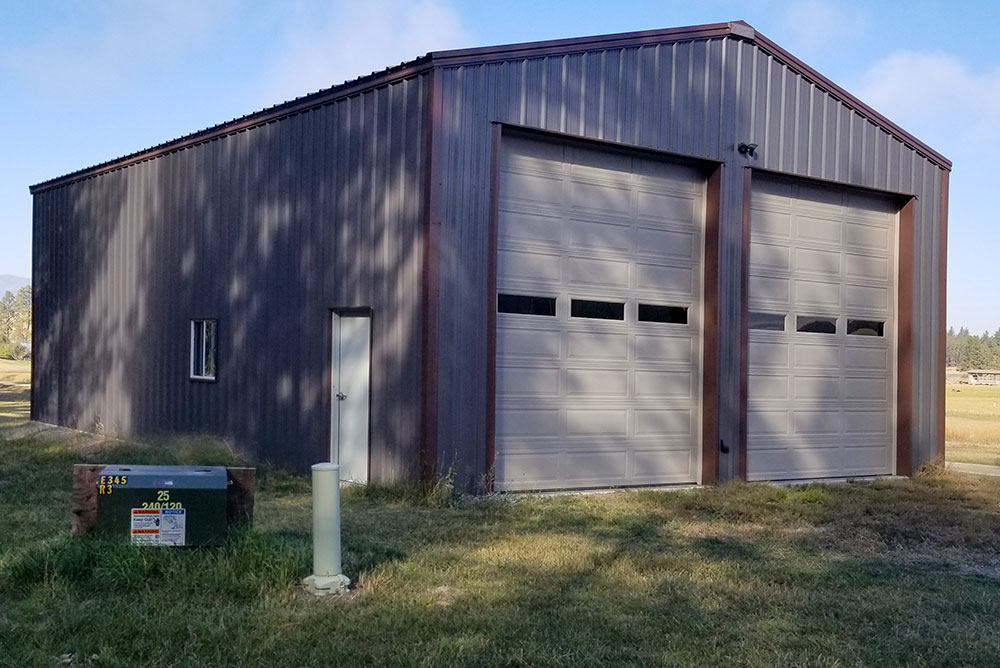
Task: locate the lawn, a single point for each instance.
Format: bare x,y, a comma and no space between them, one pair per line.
15,371
890,573
972,424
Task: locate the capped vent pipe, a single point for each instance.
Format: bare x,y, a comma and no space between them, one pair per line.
326,577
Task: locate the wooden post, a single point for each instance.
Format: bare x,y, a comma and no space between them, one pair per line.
240,496
84,508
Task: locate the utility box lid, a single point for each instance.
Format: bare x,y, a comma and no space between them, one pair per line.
167,477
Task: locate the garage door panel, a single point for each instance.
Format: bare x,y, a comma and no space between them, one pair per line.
867,389
664,422
816,422
766,290
817,261
808,228
599,235
771,224
533,189
580,271
767,422
621,230
534,227
769,256
527,381
531,343
611,383
768,387
813,388
768,355
871,359
867,422
868,236
870,298
671,349
867,266
521,470
665,243
837,418
665,206
528,422
530,266
595,465
818,293
597,422
654,466
600,198
816,355
597,346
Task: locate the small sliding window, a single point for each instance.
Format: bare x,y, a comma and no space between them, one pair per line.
203,349
676,315
865,327
585,308
816,324
768,322
526,304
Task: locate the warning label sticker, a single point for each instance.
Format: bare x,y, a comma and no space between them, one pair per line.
155,526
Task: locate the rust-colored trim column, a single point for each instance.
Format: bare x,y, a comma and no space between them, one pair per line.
744,322
904,343
491,308
431,282
943,314
710,333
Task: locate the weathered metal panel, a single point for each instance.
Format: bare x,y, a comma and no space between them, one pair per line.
698,98
266,229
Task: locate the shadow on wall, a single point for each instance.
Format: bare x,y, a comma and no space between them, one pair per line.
266,231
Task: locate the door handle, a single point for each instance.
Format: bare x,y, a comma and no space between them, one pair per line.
341,396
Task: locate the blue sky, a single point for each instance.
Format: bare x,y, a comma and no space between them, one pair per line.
83,82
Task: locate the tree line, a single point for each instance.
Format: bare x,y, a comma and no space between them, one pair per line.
15,324
968,351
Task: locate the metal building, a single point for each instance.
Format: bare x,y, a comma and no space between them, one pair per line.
674,256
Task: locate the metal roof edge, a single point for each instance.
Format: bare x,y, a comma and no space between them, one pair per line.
267,115
850,100
457,57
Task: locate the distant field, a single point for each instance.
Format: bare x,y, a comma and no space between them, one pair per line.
15,372
972,425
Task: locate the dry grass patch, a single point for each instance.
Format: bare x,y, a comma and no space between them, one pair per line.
972,424
15,371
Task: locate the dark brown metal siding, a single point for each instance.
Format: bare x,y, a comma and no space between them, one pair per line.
699,98
266,230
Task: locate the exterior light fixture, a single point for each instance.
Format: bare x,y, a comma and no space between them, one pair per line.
747,149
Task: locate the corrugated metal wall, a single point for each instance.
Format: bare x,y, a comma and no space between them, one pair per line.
266,230
697,98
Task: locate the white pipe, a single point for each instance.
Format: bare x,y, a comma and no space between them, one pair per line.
326,577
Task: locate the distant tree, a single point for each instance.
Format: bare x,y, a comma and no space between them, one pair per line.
21,330
7,316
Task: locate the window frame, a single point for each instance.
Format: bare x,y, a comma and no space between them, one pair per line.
203,376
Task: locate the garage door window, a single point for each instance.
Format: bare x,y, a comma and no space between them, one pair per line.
865,327
677,315
770,322
584,308
816,325
526,304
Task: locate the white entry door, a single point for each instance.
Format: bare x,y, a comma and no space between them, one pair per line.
349,388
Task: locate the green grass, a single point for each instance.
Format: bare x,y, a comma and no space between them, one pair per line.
890,573
15,371
972,424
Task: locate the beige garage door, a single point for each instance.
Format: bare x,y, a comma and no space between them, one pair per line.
598,319
822,332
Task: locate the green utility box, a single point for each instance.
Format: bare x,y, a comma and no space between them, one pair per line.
163,505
